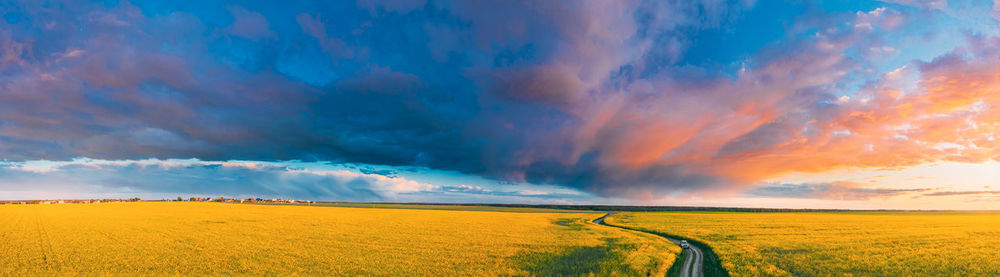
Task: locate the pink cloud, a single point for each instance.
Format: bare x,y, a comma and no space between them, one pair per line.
768,122
924,4
314,26
400,6
995,12
248,24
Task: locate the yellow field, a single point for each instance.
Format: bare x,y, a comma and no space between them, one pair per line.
227,239
839,244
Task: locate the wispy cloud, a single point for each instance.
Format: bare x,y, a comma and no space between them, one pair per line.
94,178
830,191
954,193
91,178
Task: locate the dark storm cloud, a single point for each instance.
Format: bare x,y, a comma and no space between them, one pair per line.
448,85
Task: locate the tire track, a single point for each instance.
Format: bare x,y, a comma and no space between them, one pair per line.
44,245
693,265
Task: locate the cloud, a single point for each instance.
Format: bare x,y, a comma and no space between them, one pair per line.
830,191
592,95
193,177
314,27
400,6
995,12
890,126
880,17
931,4
155,178
383,172
249,24
954,193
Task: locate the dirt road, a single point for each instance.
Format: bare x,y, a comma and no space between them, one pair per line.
692,264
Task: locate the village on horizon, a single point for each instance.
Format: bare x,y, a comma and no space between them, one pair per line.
178,199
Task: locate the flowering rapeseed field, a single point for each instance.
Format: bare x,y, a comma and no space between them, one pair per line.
172,238
838,244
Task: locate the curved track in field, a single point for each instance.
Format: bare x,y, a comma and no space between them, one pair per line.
694,263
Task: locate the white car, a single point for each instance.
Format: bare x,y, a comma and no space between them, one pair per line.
684,244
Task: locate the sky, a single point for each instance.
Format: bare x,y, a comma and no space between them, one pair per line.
798,104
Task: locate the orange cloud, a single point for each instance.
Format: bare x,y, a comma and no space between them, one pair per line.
953,116
747,130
